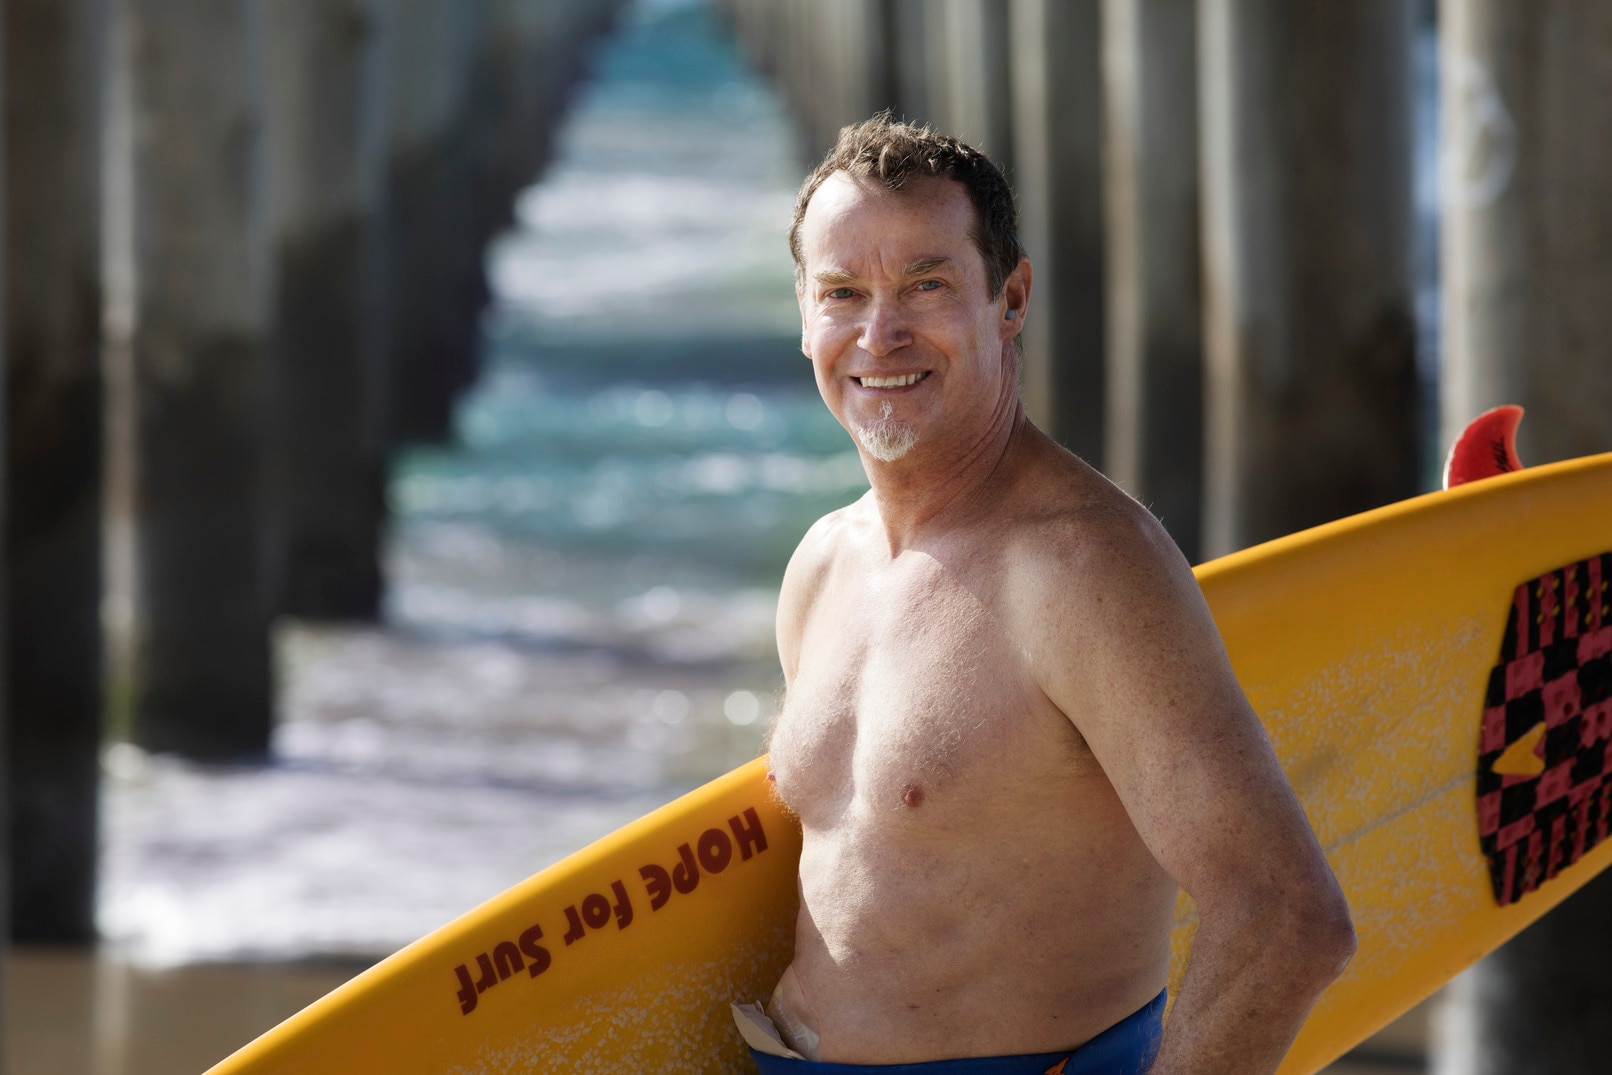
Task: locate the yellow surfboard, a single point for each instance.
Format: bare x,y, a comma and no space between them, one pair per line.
1436,677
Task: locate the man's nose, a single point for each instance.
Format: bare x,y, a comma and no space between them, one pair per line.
884,329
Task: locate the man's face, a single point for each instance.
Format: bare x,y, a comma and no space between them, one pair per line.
910,352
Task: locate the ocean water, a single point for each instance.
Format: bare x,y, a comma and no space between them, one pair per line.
582,584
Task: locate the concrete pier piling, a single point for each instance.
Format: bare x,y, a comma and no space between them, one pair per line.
1527,240
1527,270
1154,435
530,60
53,64
1312,394
1057,93
863,37
198,352
325,170
909,56
851,39
5,621
434,287
808,55
969,42
833,60
54,56
474,93
268,181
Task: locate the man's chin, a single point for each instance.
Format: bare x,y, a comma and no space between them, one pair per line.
886,440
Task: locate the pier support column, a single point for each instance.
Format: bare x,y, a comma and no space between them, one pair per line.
1058,174
435,272
864,37
1527,226
908,56
6,868
853,76
1527,272
324,172
1536,1004
489,112
53,64
802,29
527,57
821,72
196,353
1307,202
534,54
974,99
1154,444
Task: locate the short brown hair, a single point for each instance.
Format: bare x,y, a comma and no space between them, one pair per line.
896,154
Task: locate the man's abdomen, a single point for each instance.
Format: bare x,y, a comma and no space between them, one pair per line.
969,932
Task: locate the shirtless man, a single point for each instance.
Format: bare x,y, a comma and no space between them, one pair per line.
1010,729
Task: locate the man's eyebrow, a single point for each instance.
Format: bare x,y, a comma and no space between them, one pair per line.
925,265
837,277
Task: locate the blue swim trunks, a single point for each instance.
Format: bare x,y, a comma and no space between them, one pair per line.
1126,1048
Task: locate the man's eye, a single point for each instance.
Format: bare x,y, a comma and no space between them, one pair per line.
841,293
928,285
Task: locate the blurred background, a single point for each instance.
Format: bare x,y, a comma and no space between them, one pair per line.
406,429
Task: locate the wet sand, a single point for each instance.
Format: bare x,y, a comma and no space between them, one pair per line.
68,1013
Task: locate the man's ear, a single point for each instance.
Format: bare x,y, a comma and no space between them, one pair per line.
1016,292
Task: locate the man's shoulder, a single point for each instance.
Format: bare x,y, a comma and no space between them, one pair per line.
1076,529
826,537
1103,603
825,542
1083,562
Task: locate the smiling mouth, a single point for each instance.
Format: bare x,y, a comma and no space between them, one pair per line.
892,382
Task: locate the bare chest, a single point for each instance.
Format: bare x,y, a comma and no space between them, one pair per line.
908,694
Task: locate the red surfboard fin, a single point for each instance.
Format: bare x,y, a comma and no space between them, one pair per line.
1486,447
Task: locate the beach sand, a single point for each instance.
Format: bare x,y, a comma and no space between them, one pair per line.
70,1013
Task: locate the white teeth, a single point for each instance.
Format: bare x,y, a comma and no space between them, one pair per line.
890,382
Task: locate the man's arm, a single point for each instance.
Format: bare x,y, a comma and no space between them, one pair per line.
1129,651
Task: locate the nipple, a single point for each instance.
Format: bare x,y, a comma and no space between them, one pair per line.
772,775
912,795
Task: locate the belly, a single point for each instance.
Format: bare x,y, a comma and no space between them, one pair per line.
1026,924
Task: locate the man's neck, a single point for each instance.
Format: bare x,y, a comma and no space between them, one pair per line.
923,492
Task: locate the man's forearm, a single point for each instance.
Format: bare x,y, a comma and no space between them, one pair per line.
1247,991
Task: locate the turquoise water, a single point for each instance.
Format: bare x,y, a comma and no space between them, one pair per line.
645,417
582,583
